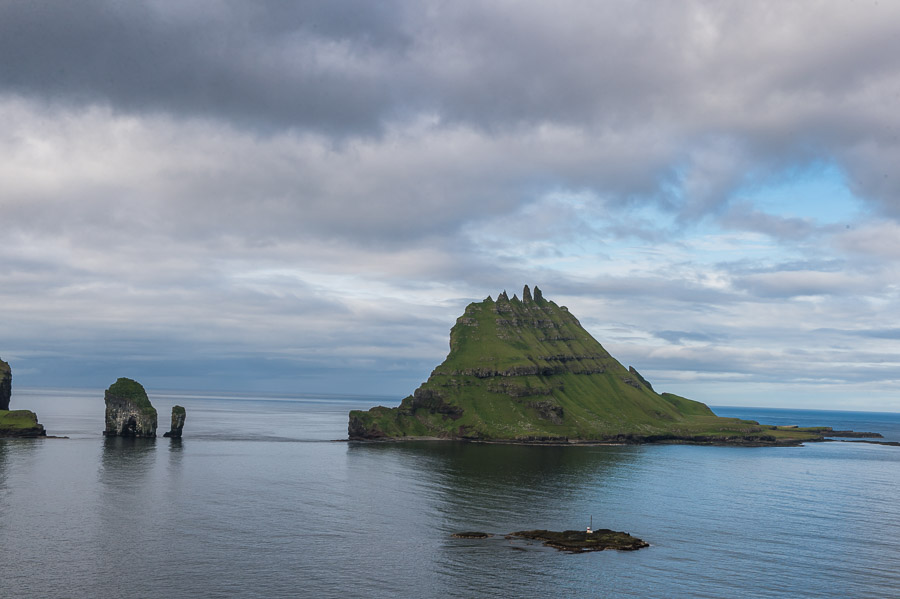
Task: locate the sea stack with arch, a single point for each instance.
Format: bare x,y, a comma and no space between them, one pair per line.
129,412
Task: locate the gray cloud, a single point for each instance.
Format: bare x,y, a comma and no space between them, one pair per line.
679,337
743,216
690,95
312,186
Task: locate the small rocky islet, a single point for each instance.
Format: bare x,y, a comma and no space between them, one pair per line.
129,412
571,541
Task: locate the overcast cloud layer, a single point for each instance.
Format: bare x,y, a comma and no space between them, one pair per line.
302,197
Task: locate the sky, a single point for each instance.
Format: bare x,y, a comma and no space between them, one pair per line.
302,197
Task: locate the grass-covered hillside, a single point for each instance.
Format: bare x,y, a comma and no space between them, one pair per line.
20,423
526,370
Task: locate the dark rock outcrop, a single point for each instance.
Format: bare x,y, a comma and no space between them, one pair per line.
129,412
178,414
579,541
5,385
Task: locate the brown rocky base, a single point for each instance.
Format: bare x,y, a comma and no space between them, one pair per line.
579,541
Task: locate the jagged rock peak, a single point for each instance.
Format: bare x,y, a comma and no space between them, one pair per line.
526,294
129,412
503,297
178,414
5,385
538,296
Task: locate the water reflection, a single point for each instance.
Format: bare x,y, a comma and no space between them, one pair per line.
175,446
432,489
3,485
125,459
491,486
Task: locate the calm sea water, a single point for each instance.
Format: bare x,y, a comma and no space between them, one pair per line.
258,500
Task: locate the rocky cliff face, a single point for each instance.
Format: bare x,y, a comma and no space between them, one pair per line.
5,385
178,414
129,412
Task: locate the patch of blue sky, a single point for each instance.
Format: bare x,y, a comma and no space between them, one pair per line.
819,192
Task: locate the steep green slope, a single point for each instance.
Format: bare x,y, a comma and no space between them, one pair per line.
527,371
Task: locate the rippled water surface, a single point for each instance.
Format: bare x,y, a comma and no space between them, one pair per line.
259,500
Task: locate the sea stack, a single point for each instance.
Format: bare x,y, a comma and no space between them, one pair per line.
5,385
129,412
178,413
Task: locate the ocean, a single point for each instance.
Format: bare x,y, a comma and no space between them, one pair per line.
263,498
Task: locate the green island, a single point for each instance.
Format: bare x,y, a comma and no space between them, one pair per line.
15,423
20,423
526,371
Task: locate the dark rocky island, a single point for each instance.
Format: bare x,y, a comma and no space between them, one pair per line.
129,412
579,541
15,423
471,535
178,415
526,371
573,541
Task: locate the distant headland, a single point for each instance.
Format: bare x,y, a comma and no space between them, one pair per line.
129,412
15,423
526,371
